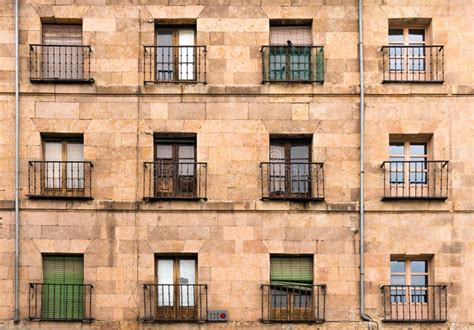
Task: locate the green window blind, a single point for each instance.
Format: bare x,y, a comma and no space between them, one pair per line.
291,270
63,294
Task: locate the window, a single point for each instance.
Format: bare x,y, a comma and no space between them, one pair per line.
63,292
63,164
408,159
409,281
291,285
176,53
62,52
413,59
175,166
290,53
177,292
290,168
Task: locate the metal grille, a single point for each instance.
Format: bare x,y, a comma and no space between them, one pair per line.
174,64
63,302
293,64
413,63
174,180
60,179
298,181
174,303
60,63
293,303
415,303
416,179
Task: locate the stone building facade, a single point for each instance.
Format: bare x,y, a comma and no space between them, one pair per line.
231,119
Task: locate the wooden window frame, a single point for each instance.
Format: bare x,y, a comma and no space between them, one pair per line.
172,311
408,276
176,141
295,312
65,141
174,29
288,142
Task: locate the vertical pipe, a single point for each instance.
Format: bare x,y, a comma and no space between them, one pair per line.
363,316
17,167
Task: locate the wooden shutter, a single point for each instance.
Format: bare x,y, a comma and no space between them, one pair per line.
298,35
296,270
61,301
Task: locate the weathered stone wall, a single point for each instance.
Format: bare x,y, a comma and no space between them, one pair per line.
234,232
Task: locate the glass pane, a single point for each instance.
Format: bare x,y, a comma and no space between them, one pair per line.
277,61
395,36
279,298
186,152
300,62
300,153
397,280
397,266
187,272
277,153
186,156
165,276
300,178
302,298
416,36
164,151
419,266
397,149
186,54
75,167
418,149
419,280
53,171
164,55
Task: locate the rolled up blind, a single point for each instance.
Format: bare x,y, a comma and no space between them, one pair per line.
298,35
63,34
296,270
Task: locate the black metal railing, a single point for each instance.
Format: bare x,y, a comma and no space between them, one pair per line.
60,179
413,63
416,179
295,180
174,64
174,180
60,63
174,303
293,64
415,303
60,302
293,303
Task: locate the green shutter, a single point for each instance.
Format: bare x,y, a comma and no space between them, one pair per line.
291,270
62,299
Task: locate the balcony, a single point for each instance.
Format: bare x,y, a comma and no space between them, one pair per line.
60,302
174,64
292,181
293,303
60,64
415,180
60,180
293,64
415,303
414,64
174,303
174,181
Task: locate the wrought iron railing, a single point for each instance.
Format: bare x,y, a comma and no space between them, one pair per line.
413,63
174,180
415,303
184,64
60,63
293,64
295,180
293,303
60,179
174,303
416,179
60,302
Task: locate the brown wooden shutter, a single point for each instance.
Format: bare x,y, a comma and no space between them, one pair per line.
298,35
